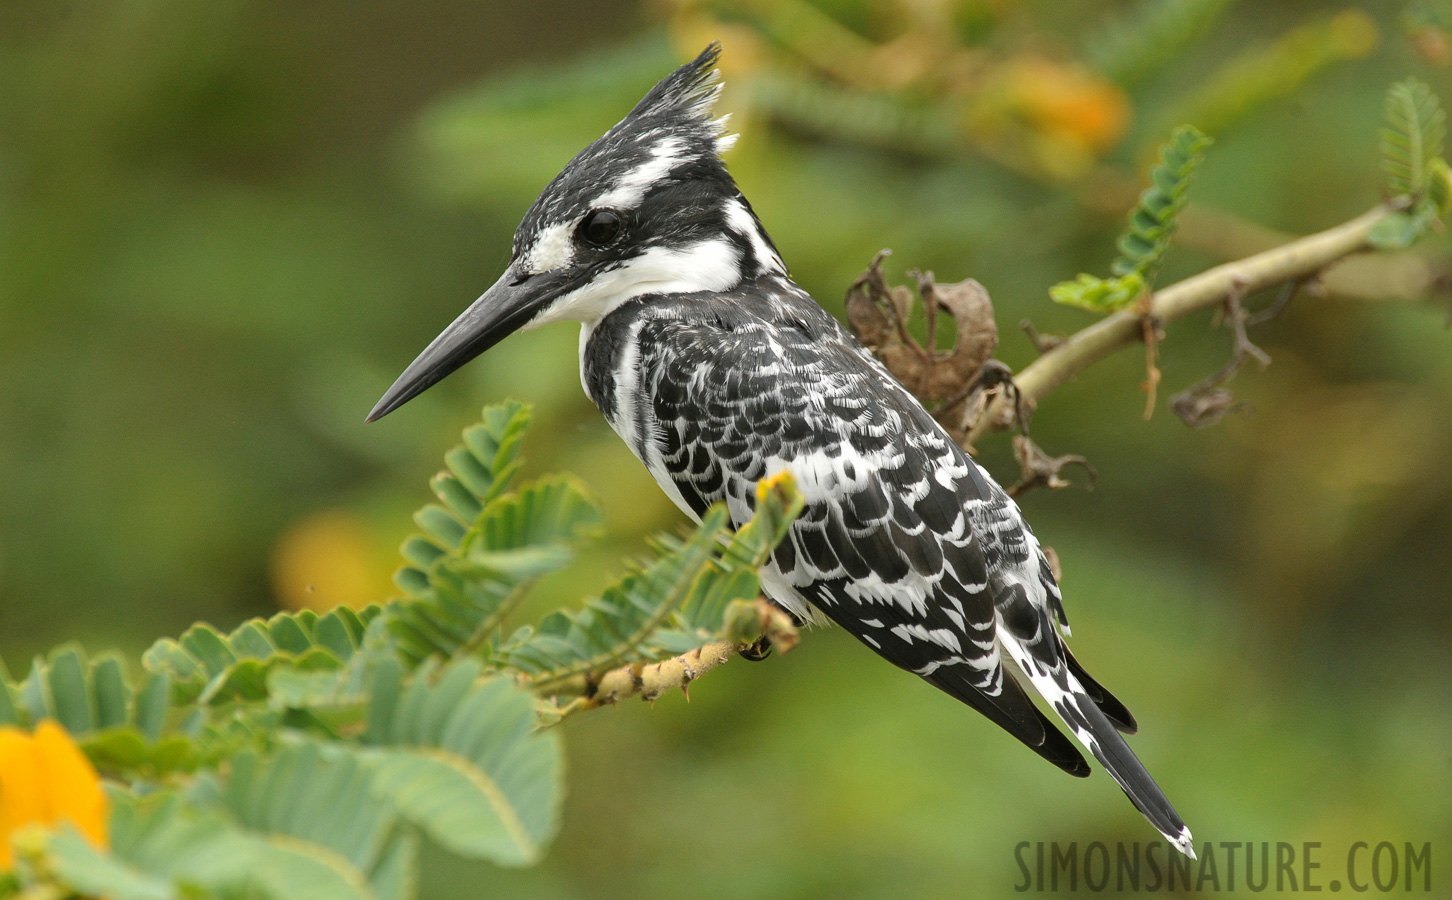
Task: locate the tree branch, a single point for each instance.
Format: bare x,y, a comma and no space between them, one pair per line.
761,627
650,680
1290,262
1397,275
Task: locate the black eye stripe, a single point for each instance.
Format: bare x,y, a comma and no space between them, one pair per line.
600,227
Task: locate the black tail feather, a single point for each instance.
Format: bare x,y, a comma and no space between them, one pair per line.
1108,704
1015,713
1133,778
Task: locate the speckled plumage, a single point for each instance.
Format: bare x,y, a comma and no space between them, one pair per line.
718,371
904,541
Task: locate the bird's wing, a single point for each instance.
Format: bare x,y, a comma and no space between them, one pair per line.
885,545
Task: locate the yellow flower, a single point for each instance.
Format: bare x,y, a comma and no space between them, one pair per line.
46,780
781,482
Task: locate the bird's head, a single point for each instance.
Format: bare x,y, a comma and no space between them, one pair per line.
649,208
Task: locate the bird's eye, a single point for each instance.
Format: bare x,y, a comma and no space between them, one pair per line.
601,227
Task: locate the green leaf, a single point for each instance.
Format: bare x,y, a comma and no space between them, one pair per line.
70,694
665,608
396,875
86,696
1399,230
152,700
466,576
1143,245
111,692
1152,221
208,667
86,870
613,626
1439,185
164,848
128,750
495,445
734,576
442,526
291,688
1413,137
319,797
459,757
1100,295
142,730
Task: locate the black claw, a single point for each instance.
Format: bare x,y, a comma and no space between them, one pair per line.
757,651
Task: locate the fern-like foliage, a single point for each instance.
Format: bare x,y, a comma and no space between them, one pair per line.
123,724
1411,156
1097,294
622,622
84,695
1147,38
1143,244
1415,130
667,607
1152,222
310,756
209,667
316,804
458,756
735,575
167,845
484,546
448,754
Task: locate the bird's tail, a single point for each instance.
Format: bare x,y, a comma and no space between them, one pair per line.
1051,676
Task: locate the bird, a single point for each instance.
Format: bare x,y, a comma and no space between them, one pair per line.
719,371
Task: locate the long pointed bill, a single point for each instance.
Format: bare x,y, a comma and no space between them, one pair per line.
501,311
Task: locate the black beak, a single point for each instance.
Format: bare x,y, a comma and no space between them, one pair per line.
513,300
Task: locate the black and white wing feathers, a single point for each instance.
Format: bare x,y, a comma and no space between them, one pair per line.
903,541
883,546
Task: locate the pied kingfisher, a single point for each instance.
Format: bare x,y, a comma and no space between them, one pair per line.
718,371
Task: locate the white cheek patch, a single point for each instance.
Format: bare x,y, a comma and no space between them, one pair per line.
553,249
630,189
742,222
712,265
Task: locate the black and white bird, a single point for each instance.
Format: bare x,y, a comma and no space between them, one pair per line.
718,371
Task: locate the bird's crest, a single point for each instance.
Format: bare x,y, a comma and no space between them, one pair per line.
684,99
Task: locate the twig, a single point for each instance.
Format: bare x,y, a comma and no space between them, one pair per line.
994,379
650,680
1274,311
1206,402
1152,331
1039,469
769,627
1042,342
1295,261
1389,277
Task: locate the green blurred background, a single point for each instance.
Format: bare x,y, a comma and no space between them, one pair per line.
225,227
